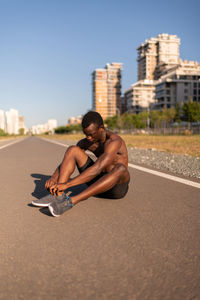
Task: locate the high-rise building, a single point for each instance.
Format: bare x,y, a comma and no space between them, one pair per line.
157,53
2,119
12,121
155,57
106,90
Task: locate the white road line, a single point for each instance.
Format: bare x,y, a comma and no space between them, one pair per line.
157,173
167,176
4,146
54,142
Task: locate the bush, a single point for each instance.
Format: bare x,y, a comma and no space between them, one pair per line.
68,129
2,132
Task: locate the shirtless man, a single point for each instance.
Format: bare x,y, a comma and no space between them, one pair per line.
107,177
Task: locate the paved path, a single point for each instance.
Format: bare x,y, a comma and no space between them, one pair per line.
145,246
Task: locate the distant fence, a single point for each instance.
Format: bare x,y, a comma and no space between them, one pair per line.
171,130
176,130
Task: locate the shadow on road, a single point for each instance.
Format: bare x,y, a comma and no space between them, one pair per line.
40,190
45,211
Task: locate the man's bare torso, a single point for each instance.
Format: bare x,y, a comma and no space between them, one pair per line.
99,148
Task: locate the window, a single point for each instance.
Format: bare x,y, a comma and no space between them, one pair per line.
168,99
183,77
168,92
186,98
185,83
185,91
195,84
194,92
195,98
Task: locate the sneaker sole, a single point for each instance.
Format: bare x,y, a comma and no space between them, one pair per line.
40,204
51,211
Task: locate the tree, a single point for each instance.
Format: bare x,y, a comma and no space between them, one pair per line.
178,115
191,111
127,121
168,115
144,118
112,122
155,118
139,121
21,131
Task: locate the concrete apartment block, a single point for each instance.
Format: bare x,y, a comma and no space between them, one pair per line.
12,121
75,120
2,119
106,90
42,128
179,84
155,56
170,79
140,96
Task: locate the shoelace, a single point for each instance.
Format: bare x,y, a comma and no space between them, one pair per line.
68,201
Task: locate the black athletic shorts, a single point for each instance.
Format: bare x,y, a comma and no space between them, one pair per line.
116,192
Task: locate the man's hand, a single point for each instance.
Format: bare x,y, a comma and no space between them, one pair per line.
58,188
50,182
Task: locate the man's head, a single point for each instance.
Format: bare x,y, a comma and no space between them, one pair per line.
93,126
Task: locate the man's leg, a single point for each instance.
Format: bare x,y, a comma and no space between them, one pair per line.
74,155
118,175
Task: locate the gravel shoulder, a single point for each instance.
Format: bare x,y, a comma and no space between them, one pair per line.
179,164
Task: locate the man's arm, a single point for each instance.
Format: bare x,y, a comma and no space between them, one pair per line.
104,161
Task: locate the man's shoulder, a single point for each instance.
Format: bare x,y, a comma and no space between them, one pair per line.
113,139
112,136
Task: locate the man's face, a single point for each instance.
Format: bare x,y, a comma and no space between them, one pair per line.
93,133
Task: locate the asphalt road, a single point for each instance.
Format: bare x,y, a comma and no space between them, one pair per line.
145,246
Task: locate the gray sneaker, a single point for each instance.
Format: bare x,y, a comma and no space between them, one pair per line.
45,201
57,208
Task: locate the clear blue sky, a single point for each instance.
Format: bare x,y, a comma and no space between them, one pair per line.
49,48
